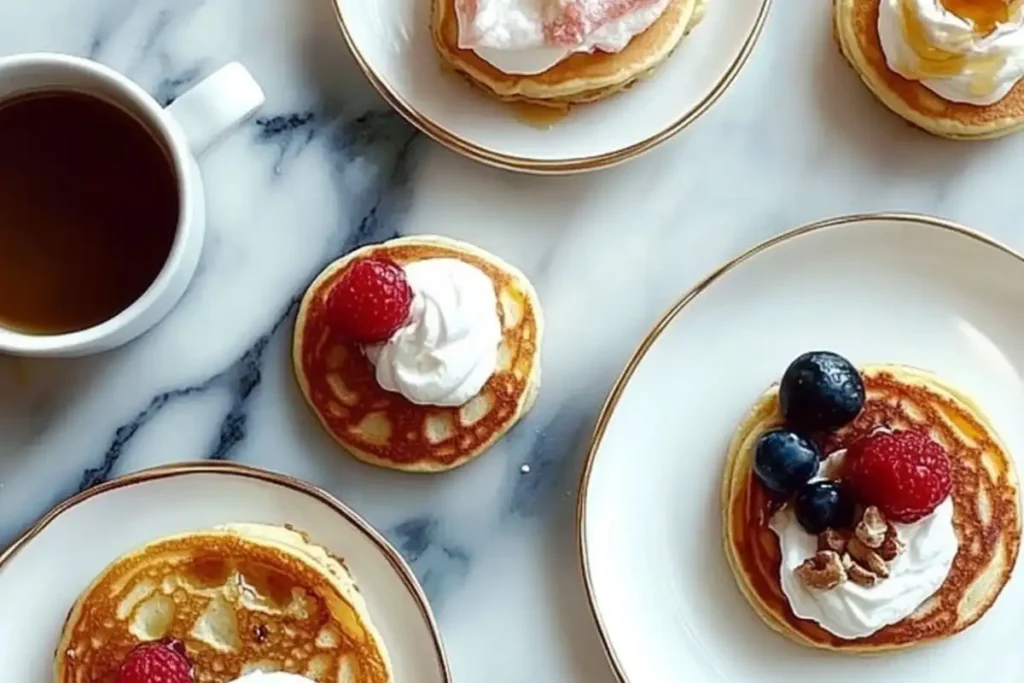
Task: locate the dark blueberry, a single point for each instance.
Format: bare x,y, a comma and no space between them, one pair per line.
785,461
821,391
823,505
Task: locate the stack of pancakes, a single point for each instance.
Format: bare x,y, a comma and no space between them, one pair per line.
856,30
241,598
986,499
581,77
384,428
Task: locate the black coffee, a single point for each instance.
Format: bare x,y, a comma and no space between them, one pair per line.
88,211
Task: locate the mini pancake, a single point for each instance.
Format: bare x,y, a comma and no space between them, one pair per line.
384,428
580,78
856,30
239,597
986,500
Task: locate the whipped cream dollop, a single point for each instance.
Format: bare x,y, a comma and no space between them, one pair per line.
272,677
448,349
951,55
531,36
853,611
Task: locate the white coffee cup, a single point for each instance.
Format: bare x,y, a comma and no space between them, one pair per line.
186,128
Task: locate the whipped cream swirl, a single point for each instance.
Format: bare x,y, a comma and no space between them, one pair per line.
853,611
531,36
449,348
272,677
924,41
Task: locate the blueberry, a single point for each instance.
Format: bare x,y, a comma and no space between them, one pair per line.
785,461
823,505
821,391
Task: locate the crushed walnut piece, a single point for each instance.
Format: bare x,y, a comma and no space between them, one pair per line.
832,539
858,574
892,547
871,528
824,571
861,556
867,558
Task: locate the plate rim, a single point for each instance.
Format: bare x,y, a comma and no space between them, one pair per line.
173,470
666,319
572,165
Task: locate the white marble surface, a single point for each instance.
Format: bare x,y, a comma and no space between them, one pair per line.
327,167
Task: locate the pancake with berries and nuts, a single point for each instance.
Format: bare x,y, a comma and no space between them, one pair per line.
871,510
212,606
419,353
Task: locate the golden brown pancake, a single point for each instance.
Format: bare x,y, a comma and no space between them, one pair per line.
986,500
577,79
386,429
240,597
856,29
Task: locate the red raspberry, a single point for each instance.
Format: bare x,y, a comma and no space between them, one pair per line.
370,301
904,474
163,662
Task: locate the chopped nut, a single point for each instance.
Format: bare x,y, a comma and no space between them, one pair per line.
871,528
858,574
824,571
892,546
830,539
867,557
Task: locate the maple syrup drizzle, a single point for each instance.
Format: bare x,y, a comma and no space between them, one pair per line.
537,115
933,62
984,15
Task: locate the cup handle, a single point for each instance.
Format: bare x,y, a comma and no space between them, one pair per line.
215,105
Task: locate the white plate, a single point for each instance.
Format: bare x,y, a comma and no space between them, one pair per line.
44,572
391,40
893,289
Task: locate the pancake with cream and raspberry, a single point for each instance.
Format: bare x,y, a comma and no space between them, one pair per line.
570,77
906,533
425,368
951,67
217,604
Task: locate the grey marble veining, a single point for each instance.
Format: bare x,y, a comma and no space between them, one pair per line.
326,167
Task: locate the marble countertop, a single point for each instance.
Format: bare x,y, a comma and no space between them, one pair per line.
325,167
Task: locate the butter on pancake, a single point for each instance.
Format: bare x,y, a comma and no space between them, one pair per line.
240,597
985,495
579,78
856,29
385,428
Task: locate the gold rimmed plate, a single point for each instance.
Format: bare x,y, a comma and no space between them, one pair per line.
392,44
45,570
903,289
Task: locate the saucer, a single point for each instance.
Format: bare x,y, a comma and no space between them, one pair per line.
45,570
901,289
391,41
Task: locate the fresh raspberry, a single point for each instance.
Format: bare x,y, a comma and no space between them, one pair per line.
370,301
163,662
905,474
